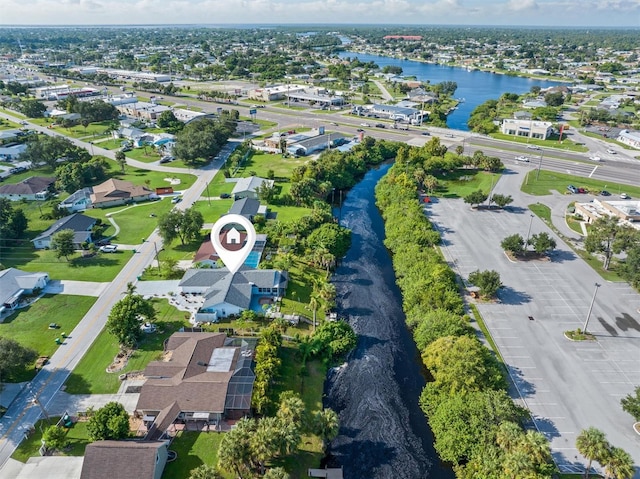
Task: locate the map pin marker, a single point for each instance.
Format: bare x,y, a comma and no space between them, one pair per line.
233,237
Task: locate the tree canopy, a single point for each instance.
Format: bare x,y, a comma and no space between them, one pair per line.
109,422
14,358
125,318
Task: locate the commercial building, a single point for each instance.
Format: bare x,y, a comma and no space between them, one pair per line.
540,130
631,138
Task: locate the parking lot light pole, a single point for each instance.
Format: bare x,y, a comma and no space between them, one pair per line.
539,166
593,300
526,243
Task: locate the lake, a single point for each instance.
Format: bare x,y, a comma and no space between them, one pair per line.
475,87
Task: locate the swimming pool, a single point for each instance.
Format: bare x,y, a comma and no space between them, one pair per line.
253,260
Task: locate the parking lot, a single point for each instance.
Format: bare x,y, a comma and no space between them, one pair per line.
568,386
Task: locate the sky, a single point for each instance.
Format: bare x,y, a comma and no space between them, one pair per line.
605,13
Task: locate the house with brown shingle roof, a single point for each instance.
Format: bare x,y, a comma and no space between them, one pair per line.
205,377
32,188
115,192
124,460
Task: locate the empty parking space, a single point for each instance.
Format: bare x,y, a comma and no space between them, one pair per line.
568,386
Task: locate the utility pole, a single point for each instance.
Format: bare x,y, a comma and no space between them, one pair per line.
539,166
586,323
155,247
526,243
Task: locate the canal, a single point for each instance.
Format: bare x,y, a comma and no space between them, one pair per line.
383,432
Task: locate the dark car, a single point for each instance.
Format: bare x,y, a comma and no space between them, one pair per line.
225,195
581,190
379,125
605,193
360,130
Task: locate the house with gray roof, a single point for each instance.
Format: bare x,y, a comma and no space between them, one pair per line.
202,377
79,223
248,207
124,459
395,112
14,283
225,294
78,201
246,187
32,188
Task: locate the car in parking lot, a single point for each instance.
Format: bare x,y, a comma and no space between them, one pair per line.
522,158
605,193
109,248
533,147
581,190
572,189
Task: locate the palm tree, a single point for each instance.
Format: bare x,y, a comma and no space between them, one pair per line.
593,445
326,425
618,464
314,303
121,159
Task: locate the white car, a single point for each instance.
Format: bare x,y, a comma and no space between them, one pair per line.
365,124
109,248
522,158
595,158
624,196
611,151
533,147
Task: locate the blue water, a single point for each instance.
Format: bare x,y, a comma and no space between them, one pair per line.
253,260
475,87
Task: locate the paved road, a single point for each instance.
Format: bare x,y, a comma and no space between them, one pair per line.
568,386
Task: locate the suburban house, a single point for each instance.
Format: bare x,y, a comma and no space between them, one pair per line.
14,283
528,128
80,224
248,207
124,459
118,192
246,187
12,151
207,257
78,201
202,377
32,188
225,294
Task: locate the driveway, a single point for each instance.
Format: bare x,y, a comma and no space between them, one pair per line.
157,288
80,288
568,386
74,403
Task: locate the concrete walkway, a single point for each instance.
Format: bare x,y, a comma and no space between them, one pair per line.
51,467
79,288
383,90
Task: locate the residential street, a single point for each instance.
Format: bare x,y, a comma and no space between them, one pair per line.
23,413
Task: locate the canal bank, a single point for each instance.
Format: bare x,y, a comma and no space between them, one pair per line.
383,432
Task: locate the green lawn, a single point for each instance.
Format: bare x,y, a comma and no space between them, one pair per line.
289,213
97,129
549,180
30,326
566,144
13,113
211,213
102,267
460,183
218,185
77,435
263,162
111,144
301,279
135,221
147,155
194,449
309,384
90,376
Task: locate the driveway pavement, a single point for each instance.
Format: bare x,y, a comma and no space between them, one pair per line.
51,467
568,386
80,288
74,403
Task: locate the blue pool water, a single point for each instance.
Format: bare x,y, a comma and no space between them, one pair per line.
253,260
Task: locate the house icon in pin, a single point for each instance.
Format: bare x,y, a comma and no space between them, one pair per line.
233,236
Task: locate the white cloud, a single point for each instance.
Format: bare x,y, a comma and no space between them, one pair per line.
475,12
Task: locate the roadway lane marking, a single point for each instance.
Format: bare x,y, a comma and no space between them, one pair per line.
594,170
